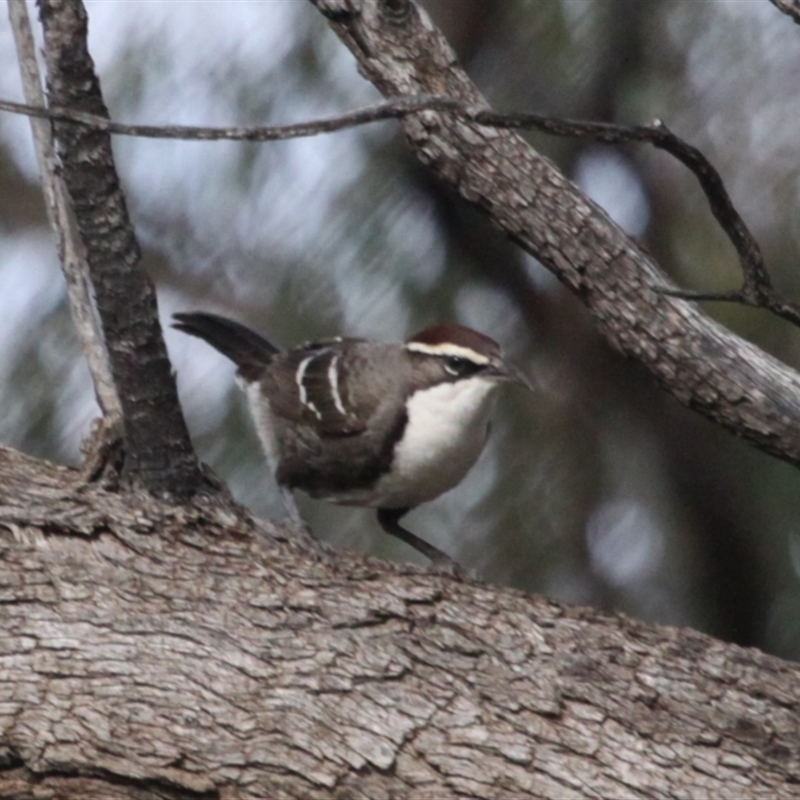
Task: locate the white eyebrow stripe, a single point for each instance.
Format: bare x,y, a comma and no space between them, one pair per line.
299,376
448,349
333,380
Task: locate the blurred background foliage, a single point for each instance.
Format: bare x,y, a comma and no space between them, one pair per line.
599,489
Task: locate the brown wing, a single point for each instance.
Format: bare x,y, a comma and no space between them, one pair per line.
310,385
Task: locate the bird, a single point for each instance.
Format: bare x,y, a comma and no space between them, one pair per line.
362,423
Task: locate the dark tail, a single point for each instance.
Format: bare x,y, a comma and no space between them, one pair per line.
249,351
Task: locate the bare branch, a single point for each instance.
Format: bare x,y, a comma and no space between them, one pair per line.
157,451
702,364
393,109
70,247
767,298
789,7
756,291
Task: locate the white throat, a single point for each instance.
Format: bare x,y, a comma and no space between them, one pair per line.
445,433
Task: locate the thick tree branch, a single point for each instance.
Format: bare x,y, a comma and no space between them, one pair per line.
157,451
174,650
703,365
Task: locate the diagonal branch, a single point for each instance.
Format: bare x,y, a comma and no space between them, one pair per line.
703,365
789,7
158,453
70,247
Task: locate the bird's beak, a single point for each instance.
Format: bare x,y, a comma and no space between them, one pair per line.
504,370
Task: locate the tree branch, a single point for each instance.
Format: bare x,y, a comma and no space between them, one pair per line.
700,363
789,7
393,109
224,662
756,291
157,451
70,248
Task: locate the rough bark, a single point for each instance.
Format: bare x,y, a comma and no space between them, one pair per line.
71,252
158,454
150,650
189,651
703,365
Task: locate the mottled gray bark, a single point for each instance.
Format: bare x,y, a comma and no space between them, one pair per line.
702,364
149,650
157,452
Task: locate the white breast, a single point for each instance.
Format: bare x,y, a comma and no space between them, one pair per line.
445,434
264,420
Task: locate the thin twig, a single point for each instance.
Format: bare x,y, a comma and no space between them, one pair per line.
756,290
393,109
659,136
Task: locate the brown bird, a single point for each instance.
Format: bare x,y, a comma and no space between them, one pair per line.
361,423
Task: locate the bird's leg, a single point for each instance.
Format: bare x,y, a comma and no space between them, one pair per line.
389,519
290,504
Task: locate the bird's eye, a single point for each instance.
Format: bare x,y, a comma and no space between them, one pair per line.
456,365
